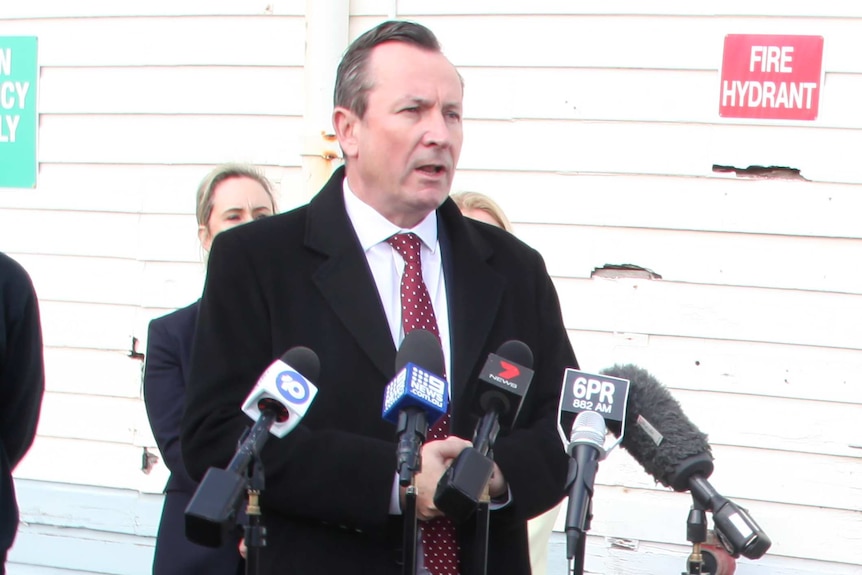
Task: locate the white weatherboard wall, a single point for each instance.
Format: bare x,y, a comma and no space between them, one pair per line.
594,125
137,102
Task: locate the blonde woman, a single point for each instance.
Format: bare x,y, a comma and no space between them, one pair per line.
480,207
228,196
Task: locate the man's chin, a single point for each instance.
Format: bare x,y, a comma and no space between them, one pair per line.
421,203
433,197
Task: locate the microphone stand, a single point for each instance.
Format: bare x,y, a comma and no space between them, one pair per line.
576,562
412,430
483,522
255,531
484,437
210,517
410,531
576,542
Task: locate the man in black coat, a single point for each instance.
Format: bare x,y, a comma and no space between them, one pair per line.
22,383
324,276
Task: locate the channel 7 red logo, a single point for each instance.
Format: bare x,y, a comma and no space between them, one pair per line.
510,370
504,373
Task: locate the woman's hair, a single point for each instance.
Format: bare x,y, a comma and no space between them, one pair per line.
477,201
206,189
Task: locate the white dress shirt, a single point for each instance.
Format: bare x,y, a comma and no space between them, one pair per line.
387,267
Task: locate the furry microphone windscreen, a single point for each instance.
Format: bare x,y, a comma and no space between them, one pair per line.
658,434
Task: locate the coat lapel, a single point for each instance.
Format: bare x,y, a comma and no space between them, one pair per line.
473,289
474,292
344,279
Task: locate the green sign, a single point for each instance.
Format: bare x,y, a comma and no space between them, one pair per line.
18,73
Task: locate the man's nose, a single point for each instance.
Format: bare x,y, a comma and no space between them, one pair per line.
438,132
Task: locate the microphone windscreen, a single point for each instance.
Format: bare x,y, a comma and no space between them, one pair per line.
589,429
658,434
503,382
287,387
422,348
303,360
516,351
418,380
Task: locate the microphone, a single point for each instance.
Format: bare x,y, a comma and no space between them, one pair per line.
594,399
415,398
585,450
503,382
284,390
602,394
675,452
279,399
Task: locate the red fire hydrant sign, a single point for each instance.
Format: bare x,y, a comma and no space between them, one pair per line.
771,77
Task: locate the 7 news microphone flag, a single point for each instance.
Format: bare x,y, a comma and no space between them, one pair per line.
499,391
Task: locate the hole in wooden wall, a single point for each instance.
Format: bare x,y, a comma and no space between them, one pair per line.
760,172
615,271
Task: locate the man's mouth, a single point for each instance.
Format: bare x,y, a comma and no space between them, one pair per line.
432,169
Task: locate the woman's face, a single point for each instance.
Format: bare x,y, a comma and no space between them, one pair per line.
235,201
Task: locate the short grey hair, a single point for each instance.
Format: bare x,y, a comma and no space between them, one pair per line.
352,81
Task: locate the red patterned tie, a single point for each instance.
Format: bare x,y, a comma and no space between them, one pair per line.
438,535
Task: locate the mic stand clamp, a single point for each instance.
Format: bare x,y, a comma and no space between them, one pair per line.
696,529
708,554
411,433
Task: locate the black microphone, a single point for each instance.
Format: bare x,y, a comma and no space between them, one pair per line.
415,398
503,382
596,400
279,399
676,453
586,449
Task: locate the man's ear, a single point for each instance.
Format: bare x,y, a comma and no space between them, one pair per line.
347,129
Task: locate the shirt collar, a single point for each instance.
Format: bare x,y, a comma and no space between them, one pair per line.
372,228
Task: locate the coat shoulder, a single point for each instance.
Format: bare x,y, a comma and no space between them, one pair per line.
177,319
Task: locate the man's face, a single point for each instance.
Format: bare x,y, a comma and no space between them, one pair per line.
402,154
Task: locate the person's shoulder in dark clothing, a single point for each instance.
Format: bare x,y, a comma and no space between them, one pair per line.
186,316
22,383
22,378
